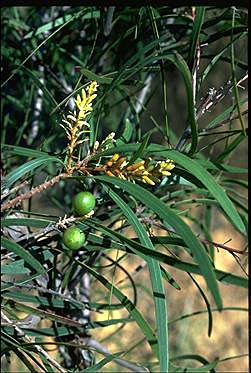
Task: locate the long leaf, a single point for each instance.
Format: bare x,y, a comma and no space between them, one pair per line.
24,254
20,150
17,173
140,150
60,21
210,315
156,280
198,21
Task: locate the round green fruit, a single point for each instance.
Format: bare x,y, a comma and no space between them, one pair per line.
73,238
83,203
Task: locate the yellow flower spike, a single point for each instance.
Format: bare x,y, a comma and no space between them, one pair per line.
92,88
75,123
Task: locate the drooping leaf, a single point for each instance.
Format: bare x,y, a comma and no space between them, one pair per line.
23,254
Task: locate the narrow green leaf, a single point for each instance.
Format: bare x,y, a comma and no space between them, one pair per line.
210,315
169,278
224,114
25,152
195,35
16,267
24,280
127,132
215,59
209,182
92,76
208,367
95,368
60,21
234,80
156,280
43,301
132,246
231,147
206,311
20,171
25,361
27,222
24,254
46,315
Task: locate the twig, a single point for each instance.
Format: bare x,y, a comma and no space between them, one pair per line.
239,262
212,99
40,350
34,191
6,192
221,246
196,69
215,96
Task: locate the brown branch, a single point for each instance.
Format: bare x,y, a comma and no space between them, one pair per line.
215,96
81,165
218,245
239,263
226,121
221,246
33,191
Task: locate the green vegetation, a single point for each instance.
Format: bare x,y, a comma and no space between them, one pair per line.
124,136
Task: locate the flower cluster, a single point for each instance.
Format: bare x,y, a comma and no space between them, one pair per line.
75,124
149,172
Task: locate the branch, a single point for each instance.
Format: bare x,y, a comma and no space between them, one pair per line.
34,191
99,348
151,221
212,99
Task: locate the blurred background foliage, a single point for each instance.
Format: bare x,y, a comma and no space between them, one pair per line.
47,55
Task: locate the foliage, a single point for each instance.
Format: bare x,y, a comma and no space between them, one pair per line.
94,71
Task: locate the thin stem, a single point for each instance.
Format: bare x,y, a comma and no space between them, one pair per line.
34,191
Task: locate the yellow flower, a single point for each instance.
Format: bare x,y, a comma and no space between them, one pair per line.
140,171
75,124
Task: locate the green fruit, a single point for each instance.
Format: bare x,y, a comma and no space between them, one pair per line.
83,203
73,238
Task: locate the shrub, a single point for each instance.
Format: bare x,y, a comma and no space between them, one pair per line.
141,107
